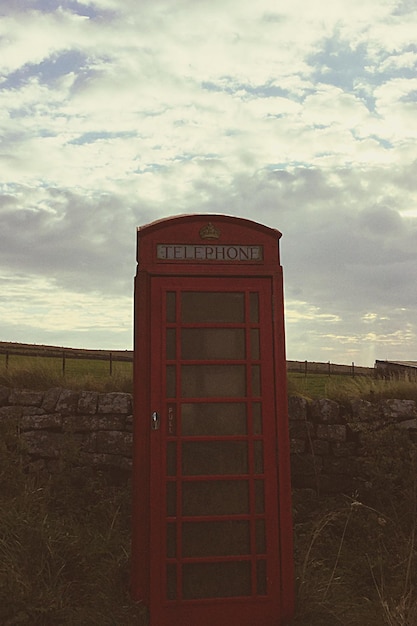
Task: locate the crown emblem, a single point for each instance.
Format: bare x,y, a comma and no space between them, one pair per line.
209,232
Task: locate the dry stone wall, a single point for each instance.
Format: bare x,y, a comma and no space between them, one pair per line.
96,427
325,437
327,440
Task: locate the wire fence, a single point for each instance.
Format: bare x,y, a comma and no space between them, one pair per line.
66,354
329,369
111,357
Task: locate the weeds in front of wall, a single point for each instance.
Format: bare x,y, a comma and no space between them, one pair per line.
344,389
64,544
370,389
356,557
41,374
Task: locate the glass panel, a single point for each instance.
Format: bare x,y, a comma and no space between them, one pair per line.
199,381
261,578
260,537
217,418
171,386
171,499
256,380
214,457
259,457
171,581
212,343
171,540
259,496
226,497
254,343
171,458
215,538
216,580
171,344
257,418
212,307
171,306
254,308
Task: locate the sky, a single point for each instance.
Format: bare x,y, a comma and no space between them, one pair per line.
299,115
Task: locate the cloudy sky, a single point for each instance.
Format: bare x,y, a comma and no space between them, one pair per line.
300,115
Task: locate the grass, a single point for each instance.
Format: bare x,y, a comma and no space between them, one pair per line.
65,538
43,373
356,557
345,388
64,545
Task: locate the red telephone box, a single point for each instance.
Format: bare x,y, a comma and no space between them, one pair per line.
212,526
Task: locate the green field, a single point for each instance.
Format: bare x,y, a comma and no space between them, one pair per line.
90,370
41,372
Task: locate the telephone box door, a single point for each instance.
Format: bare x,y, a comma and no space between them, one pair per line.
213,485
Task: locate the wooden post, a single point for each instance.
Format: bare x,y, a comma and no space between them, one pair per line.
63,362
7,360
111,364
353,369
305,368
329,368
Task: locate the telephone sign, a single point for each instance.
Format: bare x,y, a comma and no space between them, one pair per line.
212,527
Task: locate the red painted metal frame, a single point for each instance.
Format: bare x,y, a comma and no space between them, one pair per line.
185,230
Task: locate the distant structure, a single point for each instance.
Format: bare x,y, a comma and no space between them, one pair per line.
398,370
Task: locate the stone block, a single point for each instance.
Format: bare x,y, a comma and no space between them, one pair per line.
297,408
340,465
32,410
129,423
109,422
115,402
297,446
343,449
26,397
4,395
326,411
301,429
52,421
115,442
11,412
399,409
365,411
105,461
331,432
67,402
88,402
320,447
43,443
408,424
51,398
78,423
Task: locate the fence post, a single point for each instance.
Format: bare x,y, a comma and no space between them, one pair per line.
305,368
63,362
353,369
329,368
7,360
111,364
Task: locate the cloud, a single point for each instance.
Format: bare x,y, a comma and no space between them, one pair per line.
299,116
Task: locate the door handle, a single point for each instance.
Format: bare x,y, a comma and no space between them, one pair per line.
155,421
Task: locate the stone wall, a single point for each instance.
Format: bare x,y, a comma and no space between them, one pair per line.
97,427
325,437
